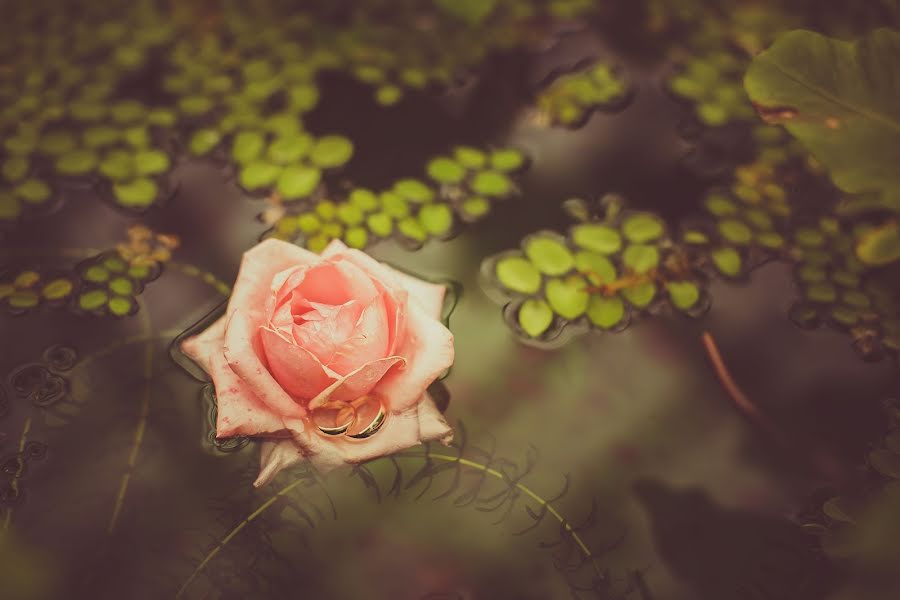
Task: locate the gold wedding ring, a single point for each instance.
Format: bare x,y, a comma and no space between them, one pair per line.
373,427
351,410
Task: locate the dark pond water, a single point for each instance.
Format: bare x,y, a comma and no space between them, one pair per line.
119,491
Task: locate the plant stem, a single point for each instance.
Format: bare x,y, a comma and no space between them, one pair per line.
7,519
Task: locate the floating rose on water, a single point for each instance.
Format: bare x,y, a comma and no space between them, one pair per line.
327,357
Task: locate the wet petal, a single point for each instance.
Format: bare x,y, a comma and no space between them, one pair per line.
258,267
395,307
415,425
368,341
429,296
208,343
275,455
358,383
239,411
428,348
243,351
297,370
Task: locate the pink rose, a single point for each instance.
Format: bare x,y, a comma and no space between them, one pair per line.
306,337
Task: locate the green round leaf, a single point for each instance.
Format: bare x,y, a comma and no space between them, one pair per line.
535,317
120,306
604,312
137,193
92,300
475,207
380,224
203,141
597,268
15,168
720,205
349,214
880,246
491,184
640,295
296,181
303,97
809,237
247,146
100,136
122,286
115,264
388,95
137,136
331,151
117,165
356,237
436,219
194,106
77,162
599,238
33,191
23,299
517,274
507,159
365,200
394,205
642,228
96,273
414,190
470,158
567,297
736,232
127,111
290,148
684,294
821,292
258,174
412,229
445,170
551,256
640,258
151,162
727,261
57,289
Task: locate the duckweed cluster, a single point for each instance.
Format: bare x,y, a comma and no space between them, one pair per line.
604,274
569,99
106,284
112,98
460,187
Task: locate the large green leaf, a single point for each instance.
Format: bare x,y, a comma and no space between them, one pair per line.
840,99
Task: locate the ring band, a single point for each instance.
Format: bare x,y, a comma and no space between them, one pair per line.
338,430
373,427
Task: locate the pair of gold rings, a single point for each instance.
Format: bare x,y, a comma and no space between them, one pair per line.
347,415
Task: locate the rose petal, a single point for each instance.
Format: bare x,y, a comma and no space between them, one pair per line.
395,306
430,296
368,341
405,429
258,267
297,370
358,383
243,351
428,347
323,329
239,411
203,346
327,282
275,455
